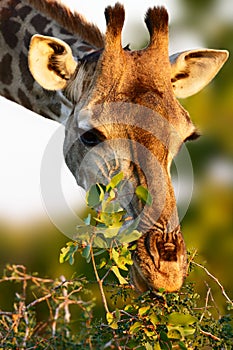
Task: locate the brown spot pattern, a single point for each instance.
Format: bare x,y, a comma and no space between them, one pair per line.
39,23
6,75
25,74
27,39
9,30
24,12
7,94
55,108
24,99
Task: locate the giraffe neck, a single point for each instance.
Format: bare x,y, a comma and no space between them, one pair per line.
20,20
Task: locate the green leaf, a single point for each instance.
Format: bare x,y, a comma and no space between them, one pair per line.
149,333
67,253
126,236
144,195
121,279
182,346
95,195
117,315
122,258
177,318
84,232
110,232
148,346
103,262
86,252
163,336
154,319
188,330
87,220
112,322
115,181
113,207
111,219
100,242
130,309
129,233
115,255
135,327
180,332
174,333
143,310
109,317
157,346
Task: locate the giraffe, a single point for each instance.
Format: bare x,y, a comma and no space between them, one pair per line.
126,117
20,19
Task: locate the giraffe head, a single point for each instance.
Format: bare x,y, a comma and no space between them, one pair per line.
126,117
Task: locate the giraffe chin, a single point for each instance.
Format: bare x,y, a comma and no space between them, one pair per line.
167,278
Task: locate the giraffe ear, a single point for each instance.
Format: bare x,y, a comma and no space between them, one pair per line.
51,62
193,70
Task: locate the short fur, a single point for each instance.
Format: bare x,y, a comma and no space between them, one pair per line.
72,21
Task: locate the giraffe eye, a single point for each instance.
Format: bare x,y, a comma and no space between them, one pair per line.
91,137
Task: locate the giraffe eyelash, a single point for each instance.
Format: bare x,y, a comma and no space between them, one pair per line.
194,136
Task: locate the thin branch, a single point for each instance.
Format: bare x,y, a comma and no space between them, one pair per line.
26,277
106,275
39,300
66,297
6,313
99,281
215,304
208,334
206,303
63,305
216,280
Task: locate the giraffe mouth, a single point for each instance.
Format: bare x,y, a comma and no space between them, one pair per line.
169,247
160,261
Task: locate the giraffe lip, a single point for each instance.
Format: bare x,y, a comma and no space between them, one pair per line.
169,246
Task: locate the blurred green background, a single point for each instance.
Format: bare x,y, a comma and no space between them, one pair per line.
208,224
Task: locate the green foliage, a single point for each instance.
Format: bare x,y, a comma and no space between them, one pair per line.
105,227
151,321
144,195
68,252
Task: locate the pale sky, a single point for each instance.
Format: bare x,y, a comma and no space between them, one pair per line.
24,135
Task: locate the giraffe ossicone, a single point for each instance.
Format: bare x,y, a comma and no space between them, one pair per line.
125,117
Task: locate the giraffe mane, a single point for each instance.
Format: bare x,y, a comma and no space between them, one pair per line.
71,21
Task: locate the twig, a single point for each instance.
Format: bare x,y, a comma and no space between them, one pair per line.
99,281
216,280
47,296
66,298
22,276
215,304
208,334
206,302
39,300
6,313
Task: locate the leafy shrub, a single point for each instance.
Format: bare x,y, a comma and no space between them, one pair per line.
149,321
